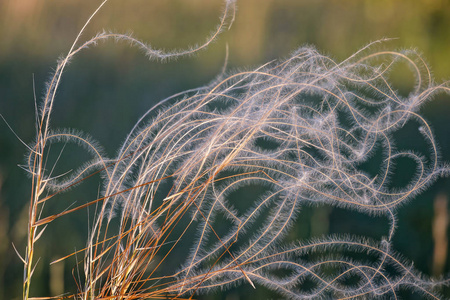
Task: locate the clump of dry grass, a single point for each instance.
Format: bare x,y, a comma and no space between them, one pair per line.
299,128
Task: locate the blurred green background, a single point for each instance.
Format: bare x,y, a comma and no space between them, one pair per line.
105,90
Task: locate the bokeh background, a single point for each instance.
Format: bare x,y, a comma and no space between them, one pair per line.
106,89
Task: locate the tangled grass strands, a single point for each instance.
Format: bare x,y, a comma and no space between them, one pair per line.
168,223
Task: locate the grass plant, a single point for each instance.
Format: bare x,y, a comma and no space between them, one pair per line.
168,223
